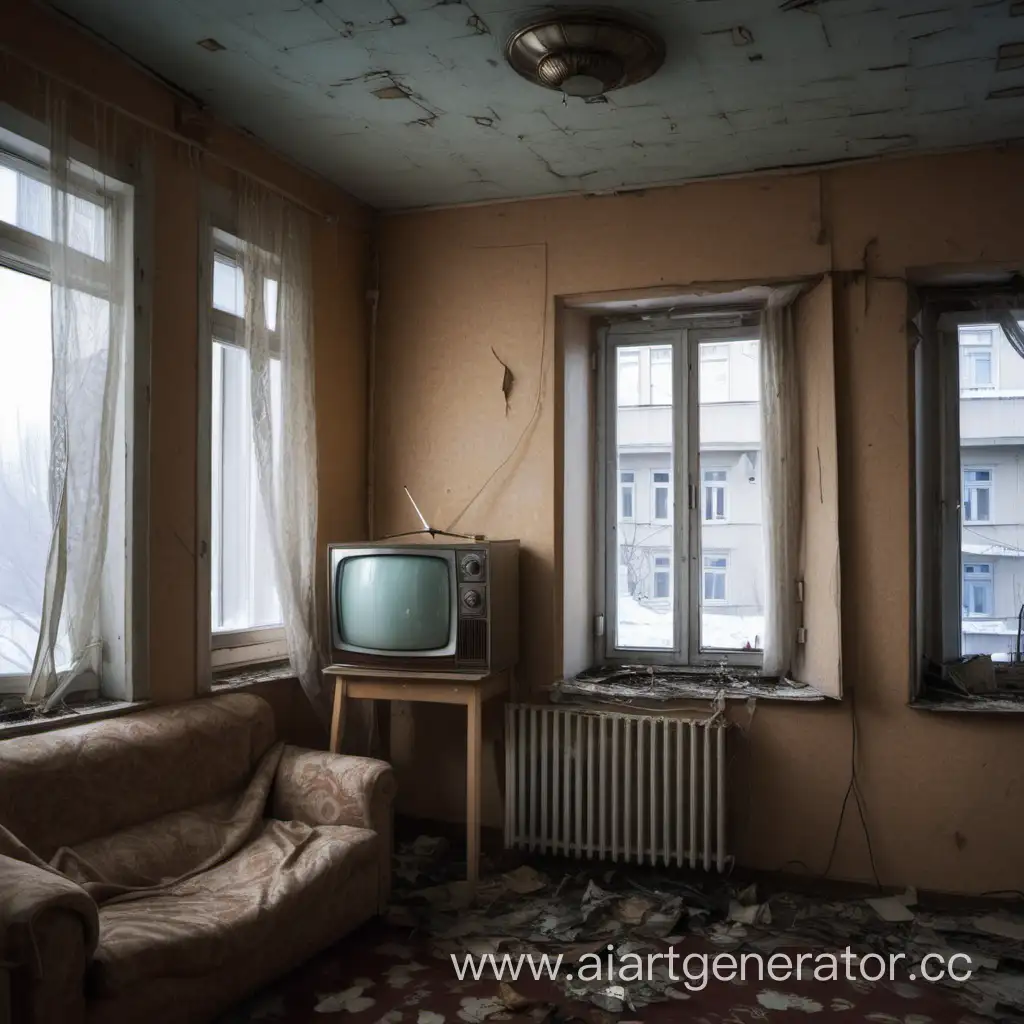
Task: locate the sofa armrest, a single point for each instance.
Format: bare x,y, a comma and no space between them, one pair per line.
320,788
48,931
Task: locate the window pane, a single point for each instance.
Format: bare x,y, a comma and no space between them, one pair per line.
714,374
25,356
643,432
228,287
992,514
661,503
244,595
628,363
25,202
732,586
661,376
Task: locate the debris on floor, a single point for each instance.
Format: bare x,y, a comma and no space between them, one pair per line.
614,929
627,914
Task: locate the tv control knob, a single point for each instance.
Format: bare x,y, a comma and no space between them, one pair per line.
471,566
472,599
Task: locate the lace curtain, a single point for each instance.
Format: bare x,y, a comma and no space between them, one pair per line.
89,324
276,247
782,517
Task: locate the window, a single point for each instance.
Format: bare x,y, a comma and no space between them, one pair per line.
977,495
713,504
716,568
714,373
977,589
629,377
627,491
675,605
660,493
100,236
662,576
969,446
246,619
661,375
977,367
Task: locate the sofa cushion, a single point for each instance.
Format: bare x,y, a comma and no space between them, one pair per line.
290,875
67,786
154,853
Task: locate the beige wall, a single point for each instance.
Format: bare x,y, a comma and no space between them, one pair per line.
944,793
39,40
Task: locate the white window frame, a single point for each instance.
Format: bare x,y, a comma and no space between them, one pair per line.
220,650
987,580
714,485
717,570
23,149
940,480
685,474
988,485
665,485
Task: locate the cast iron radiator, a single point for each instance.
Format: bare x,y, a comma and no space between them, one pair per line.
621,787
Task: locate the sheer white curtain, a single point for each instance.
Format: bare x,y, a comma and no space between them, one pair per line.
781,481
90,295
275,239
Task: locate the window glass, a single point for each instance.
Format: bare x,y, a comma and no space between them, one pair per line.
732,612
243,590
644,613
991,422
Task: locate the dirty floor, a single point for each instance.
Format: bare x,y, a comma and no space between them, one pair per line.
611,919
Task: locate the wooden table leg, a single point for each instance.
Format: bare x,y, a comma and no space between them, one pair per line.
474,728
338,715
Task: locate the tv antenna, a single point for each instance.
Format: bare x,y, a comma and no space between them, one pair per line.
427,528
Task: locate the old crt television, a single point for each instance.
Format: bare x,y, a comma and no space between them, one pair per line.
428,606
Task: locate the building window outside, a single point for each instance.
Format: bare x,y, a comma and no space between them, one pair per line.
661,375
662,577
713,505
627,492
977,495
977,589
660,488
713,379
716,568
977,360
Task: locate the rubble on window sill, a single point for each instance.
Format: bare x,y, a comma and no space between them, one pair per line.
661,684
973,684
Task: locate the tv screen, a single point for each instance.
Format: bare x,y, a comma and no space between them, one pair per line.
394,602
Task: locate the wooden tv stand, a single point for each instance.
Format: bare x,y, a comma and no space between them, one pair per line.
470,690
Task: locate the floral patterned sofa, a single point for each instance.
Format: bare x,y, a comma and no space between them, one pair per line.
159,866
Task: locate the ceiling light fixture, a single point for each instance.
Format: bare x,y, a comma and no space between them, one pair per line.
584,54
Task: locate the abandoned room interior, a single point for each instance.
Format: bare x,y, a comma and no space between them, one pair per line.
511,512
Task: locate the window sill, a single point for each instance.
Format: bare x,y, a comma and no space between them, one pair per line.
997,703
252,675
661,685
87,711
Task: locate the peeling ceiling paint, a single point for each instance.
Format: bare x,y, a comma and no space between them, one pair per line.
409,103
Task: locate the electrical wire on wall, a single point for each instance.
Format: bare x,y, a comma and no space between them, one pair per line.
531,423
853,789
